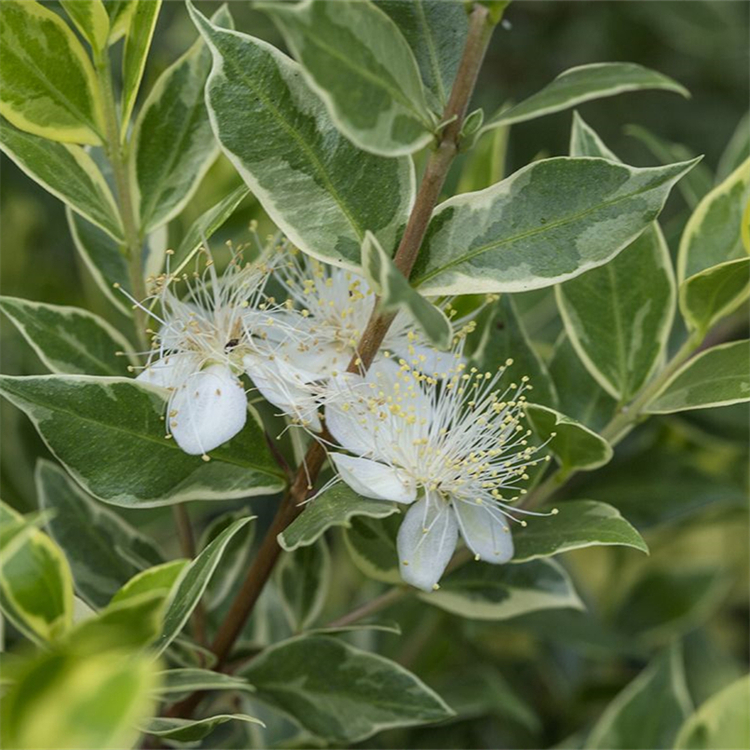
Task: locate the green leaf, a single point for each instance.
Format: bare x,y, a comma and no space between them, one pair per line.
649,711
69,339
191,730
36,585
696,184
372,546
334,507
619,316
671,486
364,693
481,591
382,626
582,84
205,225
501,336
120,12
579,395
665,603
736,151
66,171
131,623
109,434
48,86
355,58
142,21
173,144
708,296
159,579
179,682
193,582
91,19
436,32
103,257
717,377
577,524
395,293
234,559
548,222
303,578
713,234
67,701
104,551
281,140
575,446
722,721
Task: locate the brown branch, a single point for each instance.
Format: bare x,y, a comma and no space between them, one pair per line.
480,31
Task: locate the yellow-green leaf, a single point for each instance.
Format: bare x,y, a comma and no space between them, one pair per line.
137,43
36,585
710,295
47,82
91,19
714,232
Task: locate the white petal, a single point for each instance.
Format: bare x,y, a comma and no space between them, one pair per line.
207,410
426,541
171,371
347,416
486,532
282,386
373,479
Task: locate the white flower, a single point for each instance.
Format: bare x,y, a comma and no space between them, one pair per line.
336,305
208,337
454,449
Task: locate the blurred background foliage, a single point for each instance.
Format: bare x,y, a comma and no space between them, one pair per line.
542,679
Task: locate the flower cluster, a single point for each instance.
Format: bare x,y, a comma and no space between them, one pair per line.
420,427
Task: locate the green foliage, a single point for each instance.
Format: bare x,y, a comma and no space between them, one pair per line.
577,524
66,171
189,586
395,293
47,83
501,336
350,47
482,591
91,19
288,151
172,144
619,316
84,419
303,578
722,721
142,22
104,550
582,84
651,709
363,695
111,613
36,585
187,730
574,445
60,699
70,340
710,295
205,225
178,683
714,232
436,32
334,507
717,377
472,245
